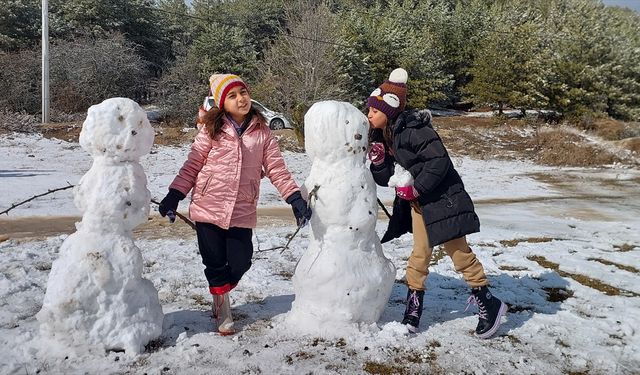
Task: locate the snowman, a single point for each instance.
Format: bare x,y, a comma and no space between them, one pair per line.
96,297
343,278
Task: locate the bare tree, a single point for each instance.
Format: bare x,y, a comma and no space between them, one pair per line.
300,68
84,71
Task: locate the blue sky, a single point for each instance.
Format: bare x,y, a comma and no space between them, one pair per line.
633,4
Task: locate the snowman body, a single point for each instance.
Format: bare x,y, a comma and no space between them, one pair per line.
343,277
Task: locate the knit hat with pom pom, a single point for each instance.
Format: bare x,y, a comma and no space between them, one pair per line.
391,96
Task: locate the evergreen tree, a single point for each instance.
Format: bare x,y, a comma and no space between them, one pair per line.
263,21
457,29
619,70
594,68
137,20
390,35
174,15
222,49
19,24
508,65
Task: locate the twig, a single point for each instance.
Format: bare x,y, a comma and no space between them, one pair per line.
181,216
69,186
286,246
312,194
384,208
34,197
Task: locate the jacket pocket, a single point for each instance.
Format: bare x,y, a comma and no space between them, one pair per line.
206,185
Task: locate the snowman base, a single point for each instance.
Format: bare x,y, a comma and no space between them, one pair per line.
92,302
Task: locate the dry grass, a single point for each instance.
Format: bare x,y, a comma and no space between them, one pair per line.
559,148
615,130
475,122
516,241
164,134
286,275
512,268
483,138
155,227
201,300
408,363
477,137
558,294
624,247
514,340
66,131
486,244
70,132
631,144
172,136
617,265
437,255
584,280
379,368
609,129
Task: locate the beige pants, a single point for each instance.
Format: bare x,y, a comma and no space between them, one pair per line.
464,260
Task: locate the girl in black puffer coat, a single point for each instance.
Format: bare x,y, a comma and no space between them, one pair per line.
435,207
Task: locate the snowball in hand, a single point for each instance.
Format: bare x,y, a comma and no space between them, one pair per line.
401,177
343,278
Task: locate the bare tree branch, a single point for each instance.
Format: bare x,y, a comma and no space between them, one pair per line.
69,186
34,197
312,194
181,216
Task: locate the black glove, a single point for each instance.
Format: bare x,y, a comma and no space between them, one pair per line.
301,210
169,205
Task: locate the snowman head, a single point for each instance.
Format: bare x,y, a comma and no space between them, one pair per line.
335,130
117,129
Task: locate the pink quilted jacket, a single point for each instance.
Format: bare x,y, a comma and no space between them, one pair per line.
224,174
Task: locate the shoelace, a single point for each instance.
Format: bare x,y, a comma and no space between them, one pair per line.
217,306
413,304
473,300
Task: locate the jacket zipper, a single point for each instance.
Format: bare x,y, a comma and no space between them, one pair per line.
206,185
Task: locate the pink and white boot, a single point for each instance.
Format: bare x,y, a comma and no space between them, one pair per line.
222,314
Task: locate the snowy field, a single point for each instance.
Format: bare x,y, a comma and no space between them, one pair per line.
561,246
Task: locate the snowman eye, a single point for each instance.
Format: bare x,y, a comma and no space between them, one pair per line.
392,100
376,92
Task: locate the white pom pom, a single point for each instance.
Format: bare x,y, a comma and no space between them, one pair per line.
399,76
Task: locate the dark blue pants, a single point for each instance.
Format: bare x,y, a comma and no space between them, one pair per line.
226,255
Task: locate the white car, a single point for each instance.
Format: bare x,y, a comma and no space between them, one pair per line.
276,120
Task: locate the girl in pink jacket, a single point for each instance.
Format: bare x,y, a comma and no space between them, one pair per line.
231,153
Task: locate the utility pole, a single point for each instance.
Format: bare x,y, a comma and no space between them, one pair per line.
45,61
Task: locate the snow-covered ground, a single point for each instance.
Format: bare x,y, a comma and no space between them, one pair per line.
560,245
31,165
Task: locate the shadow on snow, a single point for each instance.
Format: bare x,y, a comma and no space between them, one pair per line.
445,300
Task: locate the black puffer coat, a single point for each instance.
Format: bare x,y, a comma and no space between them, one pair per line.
447,209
